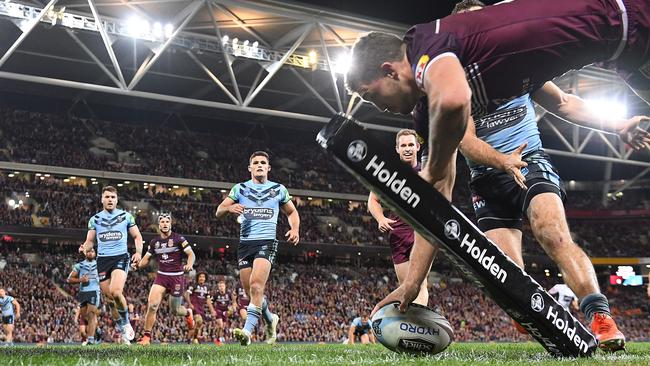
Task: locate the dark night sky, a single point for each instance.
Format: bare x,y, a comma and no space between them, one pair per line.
402,11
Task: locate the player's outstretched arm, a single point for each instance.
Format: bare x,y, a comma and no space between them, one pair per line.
191,257
16,308
229,206
89,242
420,260
575,110
73,277
137,238
449,99
377,211
481,152
293,235
351,334
144,262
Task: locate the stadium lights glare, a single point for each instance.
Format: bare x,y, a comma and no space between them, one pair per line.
235,41
137,27
343,63
12,203
16,173
46,175
313,57
120,184
256,44
157,30
169,30
225,39
607,109
66,180
200,189
11,175
38,174
127,182
175,187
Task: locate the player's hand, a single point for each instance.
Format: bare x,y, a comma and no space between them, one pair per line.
187,268
236,209
384,224
82,248
84,279
404,294
135,259
292,236
633,135
512,165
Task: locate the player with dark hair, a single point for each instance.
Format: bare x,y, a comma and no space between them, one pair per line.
168,247
10,309
111,228
85,274
198,296
401,235
257,204
493,50
467,5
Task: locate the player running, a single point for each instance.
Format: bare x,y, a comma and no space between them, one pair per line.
85,274
242,302
360,327
401,235
257,203
168,247
10,313
198,296
222,301
110,226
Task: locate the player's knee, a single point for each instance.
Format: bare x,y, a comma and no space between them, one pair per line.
153,306
257,288
116,293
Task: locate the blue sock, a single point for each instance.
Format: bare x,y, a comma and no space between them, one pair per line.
91,340
124,317
252,318
266,313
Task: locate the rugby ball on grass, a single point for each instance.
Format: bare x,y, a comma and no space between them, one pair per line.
419,330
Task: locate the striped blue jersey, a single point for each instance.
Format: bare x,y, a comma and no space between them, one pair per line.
7,306
112,230
512,124
261,208
88,268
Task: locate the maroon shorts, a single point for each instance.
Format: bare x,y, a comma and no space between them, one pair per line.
242,304
634,63
221,314
175,285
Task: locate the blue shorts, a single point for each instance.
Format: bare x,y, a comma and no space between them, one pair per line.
250,250
88,298
106,265
500,203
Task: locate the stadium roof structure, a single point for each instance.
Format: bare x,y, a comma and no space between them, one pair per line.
256,60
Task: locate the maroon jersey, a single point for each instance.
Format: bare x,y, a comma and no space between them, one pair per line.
169,253
242,298
199,296
513,48
222,300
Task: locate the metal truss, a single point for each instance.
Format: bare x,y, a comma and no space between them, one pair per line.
272,55
281,55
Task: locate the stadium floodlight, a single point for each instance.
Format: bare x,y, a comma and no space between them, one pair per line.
607,109
175,187
127,182
157,30
137,27
11,175
120,184
169,30
235,41
46,175
313,57
256,44
12,202
225,39
343,63
66,180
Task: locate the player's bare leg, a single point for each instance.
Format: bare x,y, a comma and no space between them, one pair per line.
9,333
91,322
116,289
153,303
259,275
364,339
220,332
176,307
195,333
549,225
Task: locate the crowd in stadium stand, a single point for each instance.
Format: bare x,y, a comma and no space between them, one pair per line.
315,303
59,205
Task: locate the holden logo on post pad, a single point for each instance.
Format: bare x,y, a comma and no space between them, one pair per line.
537,302
452,229
357,150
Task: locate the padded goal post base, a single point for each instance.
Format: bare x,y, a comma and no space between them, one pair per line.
379,168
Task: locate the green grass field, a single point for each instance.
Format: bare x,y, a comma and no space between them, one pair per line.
304,354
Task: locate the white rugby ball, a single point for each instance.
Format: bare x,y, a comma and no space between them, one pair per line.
419,330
